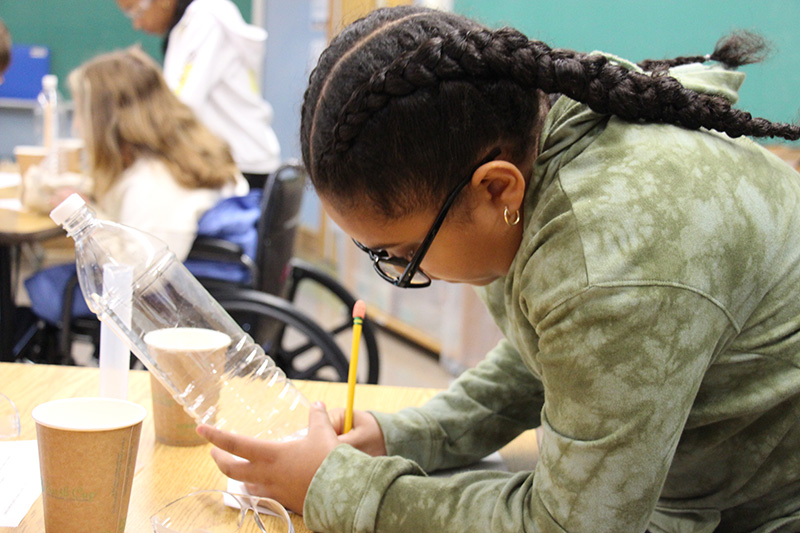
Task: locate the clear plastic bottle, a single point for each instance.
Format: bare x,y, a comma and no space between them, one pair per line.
50,122
232,385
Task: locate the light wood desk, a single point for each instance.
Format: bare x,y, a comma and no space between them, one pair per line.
16,227
165,473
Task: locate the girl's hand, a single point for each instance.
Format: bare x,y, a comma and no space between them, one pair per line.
366,434
279,470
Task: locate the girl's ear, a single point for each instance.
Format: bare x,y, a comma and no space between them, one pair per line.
501,183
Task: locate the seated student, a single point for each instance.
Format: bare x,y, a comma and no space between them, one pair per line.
155,166
5,49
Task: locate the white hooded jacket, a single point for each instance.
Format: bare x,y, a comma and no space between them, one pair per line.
211,63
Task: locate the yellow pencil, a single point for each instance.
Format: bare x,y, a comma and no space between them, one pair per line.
359,311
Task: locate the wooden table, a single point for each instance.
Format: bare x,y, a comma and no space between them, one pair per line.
16,227
165,473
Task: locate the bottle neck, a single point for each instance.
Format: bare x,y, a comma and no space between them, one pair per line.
79,222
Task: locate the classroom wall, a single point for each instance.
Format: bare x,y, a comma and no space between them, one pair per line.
294,36
296,33
641,30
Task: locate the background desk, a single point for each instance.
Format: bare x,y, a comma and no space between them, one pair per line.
165,473
16,227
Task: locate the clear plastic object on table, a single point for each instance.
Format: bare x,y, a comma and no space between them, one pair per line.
180,333
49,103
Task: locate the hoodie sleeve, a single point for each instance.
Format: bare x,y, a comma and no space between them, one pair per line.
483,410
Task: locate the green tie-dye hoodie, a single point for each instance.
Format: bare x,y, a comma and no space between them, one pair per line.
652,323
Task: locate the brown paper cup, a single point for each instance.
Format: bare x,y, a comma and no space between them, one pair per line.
71,153
28,156
174,426
191,359
87,455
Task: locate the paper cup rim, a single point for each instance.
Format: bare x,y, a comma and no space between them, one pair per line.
40,150
43,414
156,338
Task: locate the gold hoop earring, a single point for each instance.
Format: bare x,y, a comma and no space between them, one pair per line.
514,222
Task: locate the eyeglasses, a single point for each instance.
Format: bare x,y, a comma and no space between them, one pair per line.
219,511
413,277
9,418
134,13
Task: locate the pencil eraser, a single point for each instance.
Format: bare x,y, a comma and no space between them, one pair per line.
360,309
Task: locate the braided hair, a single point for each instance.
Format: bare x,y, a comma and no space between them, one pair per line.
404,101
739,48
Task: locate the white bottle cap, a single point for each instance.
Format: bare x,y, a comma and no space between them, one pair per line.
49,82
67,208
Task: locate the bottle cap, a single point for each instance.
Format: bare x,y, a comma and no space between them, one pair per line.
49,82
67,208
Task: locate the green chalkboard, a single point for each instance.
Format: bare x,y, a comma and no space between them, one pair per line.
77,30
638,30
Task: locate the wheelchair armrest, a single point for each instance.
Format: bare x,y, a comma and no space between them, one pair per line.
211,248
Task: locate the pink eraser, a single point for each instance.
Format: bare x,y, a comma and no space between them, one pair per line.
360,309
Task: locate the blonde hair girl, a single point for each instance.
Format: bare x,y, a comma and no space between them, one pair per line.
125,111
155,166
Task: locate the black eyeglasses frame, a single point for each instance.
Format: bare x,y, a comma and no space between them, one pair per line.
412,267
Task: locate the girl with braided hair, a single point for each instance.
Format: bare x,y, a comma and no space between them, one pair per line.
641,255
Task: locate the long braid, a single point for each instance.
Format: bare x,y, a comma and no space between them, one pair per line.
734,50
660,65
592,79
406,100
